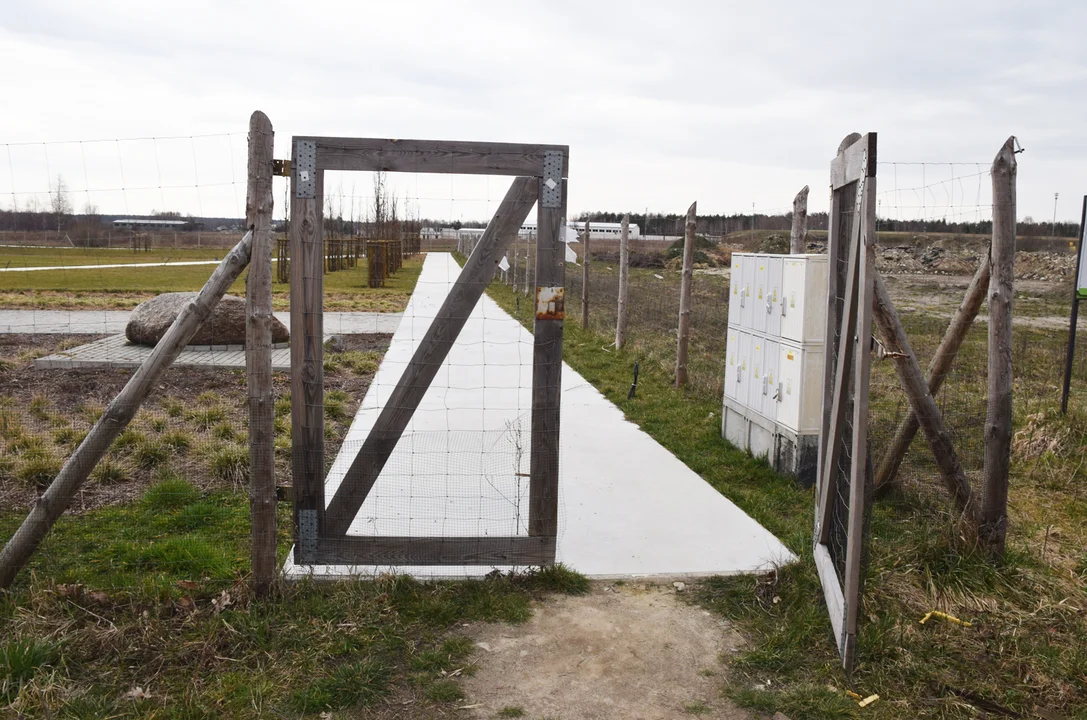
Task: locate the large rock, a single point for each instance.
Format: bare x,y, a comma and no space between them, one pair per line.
226,326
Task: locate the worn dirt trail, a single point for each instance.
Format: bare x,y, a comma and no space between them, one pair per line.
631,650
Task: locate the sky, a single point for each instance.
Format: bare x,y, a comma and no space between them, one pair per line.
733,105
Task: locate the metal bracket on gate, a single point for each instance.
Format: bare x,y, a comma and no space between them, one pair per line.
281,168
305,170
307,533
551,194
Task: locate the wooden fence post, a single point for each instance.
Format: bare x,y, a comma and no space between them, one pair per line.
585,279
685,296
800,222
998,416
624,282
258,357
55,500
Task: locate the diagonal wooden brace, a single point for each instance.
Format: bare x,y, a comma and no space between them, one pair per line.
431,353
923,404
937,371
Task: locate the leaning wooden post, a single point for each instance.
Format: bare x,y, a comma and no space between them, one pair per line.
624,282
922,402
685,297
258,357
800,222
998,416
55,500
585,278
937,370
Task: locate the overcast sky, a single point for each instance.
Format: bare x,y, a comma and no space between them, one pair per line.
661,103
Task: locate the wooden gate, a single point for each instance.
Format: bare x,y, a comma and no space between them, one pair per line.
321,524
844,473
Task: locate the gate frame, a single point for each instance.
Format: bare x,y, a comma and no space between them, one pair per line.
540,173
855,164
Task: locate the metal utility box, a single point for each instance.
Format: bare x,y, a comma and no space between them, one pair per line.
747,302
804,291
773,296
732,352
774,359
800,384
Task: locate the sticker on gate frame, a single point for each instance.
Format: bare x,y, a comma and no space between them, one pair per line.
550,303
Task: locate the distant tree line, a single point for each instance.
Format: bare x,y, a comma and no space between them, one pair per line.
672,224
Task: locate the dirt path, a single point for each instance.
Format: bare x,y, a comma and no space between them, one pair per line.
623,651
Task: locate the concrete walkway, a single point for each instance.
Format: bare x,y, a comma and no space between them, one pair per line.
111,322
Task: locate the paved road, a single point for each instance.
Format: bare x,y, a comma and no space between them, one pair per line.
108,322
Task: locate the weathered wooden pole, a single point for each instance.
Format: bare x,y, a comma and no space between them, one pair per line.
258,357
998,416
937,370
685,296
922,402
585,278
624,282
800,222
55,500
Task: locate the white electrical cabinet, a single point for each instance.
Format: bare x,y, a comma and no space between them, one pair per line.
804,306
732,351
800,382
747,306
774,358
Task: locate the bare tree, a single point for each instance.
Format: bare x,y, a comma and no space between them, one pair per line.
58,200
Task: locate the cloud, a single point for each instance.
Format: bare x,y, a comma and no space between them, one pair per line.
661,103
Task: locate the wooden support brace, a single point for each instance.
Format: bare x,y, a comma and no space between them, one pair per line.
937,371
922,402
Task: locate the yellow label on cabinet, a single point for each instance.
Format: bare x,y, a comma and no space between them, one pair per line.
788,356
760,293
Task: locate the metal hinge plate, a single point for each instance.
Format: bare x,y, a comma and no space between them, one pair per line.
307,534
551,190
305,170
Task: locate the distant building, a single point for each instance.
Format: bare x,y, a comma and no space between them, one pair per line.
152,224
597,230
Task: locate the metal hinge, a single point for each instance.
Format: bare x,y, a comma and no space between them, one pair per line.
281,168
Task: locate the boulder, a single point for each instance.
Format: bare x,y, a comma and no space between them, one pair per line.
226,326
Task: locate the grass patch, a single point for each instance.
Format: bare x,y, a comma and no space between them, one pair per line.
178,441
225,431
109,472
38,471
20,660
511,711
336,405
230,464
149,454
68,436
170,493
444,691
